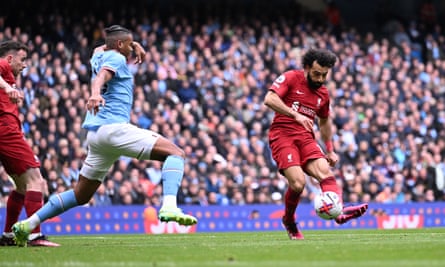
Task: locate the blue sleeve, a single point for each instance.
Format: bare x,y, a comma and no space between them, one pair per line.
114,62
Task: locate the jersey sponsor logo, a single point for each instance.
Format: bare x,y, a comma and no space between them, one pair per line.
296,105
318,102
299,92
303,109
307,111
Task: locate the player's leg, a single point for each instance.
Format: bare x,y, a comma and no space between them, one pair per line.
33,201
23,165
296,180
14,207
351,212
11,139
172,174
98,156
56,205
97,163
287,157
320,170
33,196
148,145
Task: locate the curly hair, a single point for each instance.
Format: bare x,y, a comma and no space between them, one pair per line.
324,58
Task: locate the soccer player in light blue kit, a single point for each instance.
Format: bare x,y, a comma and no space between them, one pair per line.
110,136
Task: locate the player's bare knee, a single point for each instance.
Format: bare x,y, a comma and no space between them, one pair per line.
176,151
33,179
297,186
325,174
319,169
179,152
21,188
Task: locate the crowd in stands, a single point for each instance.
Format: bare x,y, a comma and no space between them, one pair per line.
202,86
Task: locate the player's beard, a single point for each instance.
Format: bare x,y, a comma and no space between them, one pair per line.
313,85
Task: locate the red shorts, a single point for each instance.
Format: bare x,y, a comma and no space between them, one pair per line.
294,150
16,155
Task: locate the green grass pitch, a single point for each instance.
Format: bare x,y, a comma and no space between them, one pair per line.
354,248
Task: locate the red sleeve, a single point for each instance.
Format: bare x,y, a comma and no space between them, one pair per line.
325,109
2,69
6,72
281,84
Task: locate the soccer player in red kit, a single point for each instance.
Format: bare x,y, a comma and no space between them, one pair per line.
16,155
298,97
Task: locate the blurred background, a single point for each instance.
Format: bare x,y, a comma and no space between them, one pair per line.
202,82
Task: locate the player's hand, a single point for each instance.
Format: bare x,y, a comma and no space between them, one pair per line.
94,102
332,158
139,51
307,123
14,95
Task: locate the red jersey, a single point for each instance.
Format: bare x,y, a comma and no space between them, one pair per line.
292,88
15,153
6,106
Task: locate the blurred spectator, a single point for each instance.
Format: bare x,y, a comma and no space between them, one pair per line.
101,198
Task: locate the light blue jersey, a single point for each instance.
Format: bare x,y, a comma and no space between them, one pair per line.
118,92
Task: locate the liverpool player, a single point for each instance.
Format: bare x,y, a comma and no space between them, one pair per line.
298,97
16,155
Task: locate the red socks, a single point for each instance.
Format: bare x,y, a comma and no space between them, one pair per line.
291,200
330,184
33,202
14,206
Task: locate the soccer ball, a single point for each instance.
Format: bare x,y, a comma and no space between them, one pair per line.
327,205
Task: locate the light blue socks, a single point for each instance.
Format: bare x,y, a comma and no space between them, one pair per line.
172,173
57,204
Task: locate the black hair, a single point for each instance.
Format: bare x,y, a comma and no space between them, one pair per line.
115,33
324,58
8,46
115,29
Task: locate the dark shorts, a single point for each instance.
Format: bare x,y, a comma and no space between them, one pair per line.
15,153
288,151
